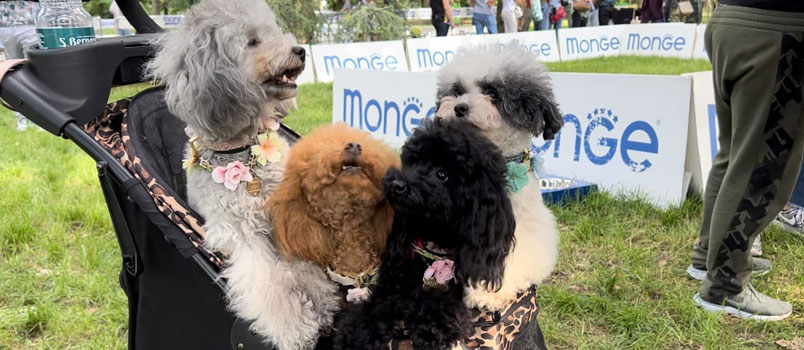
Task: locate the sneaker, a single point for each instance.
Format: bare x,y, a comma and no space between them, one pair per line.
791,220
749,304
22,123
761,268
756,248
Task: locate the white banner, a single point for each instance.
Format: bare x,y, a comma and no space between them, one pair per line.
367,100
307,76
590,42
381,55
665,39
700,44
634,144
430,54
702,144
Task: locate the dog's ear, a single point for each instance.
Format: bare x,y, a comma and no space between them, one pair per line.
487,220
296,233
528,103
553,121
383,221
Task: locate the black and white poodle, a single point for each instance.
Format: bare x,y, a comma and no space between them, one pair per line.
453,228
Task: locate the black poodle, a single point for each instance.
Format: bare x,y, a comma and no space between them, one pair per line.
453,227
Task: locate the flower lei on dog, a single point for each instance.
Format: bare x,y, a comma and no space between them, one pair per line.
519,166
441,270
268,149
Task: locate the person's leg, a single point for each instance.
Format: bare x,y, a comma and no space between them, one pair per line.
526,18
576,19
477,20
491,22
509,21
545,24
759,74
797,198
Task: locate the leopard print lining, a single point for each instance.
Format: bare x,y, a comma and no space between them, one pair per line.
110,130
493,330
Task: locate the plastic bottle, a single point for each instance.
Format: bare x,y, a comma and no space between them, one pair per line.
63,23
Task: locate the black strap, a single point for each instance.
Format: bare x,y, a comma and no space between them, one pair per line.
124,239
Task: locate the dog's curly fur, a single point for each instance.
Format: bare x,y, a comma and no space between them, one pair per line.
508,94
451,191
226,71
330,207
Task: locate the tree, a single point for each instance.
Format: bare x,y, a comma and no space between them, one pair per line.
297,17
371,23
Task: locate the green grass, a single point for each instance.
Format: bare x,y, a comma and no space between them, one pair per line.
632,65
619,284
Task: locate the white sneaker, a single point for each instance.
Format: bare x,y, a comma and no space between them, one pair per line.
791,220
756,248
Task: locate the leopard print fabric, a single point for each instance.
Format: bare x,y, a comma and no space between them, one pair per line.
111,132
493,330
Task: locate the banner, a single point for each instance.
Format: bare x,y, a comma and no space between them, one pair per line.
700,44
381,55
366,100
308,75
590,42
661,39
702,144
430,54
633,144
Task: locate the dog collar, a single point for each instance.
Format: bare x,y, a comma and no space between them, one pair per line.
266,147
366,278
441,270
518,168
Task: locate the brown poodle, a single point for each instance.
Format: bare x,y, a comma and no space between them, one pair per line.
330,208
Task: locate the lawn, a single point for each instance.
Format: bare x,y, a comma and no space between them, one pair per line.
619,284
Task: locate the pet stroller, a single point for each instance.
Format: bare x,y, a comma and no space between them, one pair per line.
175,297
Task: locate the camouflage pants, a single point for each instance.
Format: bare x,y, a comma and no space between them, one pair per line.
758,62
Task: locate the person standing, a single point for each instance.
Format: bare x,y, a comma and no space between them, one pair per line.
18,34
442,16
557,14
483,16
757,54
509,16
527,15
544,24
580,12
605,12
118,16
651,11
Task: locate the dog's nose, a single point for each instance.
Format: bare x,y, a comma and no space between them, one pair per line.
461,109
353,148
399,186
298,51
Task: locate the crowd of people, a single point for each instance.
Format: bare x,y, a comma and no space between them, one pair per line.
526,15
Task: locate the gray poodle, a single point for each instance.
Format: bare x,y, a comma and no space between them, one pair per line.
230,73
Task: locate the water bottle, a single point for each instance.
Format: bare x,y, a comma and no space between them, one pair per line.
63,23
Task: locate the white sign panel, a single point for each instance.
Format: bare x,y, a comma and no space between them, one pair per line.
381,55
430,54
702,145
633,144
590,42
541,44
630,144
367,100
667,39
307,76
700,44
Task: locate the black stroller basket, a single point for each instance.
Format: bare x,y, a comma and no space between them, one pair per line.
175,295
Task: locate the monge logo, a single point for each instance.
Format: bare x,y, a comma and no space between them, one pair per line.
592,45
436,58
667,42
600,143
386,117
373,62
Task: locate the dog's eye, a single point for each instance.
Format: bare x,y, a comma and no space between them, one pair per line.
441,175
253,42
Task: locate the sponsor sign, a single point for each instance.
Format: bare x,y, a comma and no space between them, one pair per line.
702,143
577,43
430,54
636,144
366,100
700,44
381,56
308,75
666,39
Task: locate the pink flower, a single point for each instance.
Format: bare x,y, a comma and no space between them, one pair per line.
231,175
357,295
441,270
